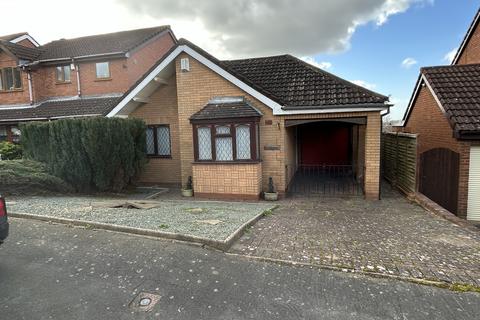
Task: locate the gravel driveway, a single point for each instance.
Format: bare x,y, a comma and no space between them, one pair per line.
209,219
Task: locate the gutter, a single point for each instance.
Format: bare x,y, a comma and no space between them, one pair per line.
340,106
91,56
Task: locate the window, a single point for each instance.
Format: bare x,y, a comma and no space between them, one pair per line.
103,70
226,142
10,79
158,141
16,134
63,73
3,133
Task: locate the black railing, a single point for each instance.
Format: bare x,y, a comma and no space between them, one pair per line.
325,180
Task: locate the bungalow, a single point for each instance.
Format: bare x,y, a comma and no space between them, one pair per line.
444,112
232,125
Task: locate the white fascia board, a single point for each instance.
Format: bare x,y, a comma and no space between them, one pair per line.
412,100
26,36
144,82
329,110
276,107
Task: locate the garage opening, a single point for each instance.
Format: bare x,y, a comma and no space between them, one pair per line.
328,157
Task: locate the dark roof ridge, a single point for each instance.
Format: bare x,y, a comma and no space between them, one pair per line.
165,27
449,66
256,58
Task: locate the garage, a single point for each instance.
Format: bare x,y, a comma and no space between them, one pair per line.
473,209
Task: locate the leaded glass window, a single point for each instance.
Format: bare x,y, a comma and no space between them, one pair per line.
224,149
243,142
204,135
158,141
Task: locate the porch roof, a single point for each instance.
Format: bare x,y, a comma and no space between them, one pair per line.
226,108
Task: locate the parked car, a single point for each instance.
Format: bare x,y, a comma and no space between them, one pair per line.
3,220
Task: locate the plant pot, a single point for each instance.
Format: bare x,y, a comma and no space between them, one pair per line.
270,196
187,192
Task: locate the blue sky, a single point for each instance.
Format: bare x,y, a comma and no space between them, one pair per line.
425,33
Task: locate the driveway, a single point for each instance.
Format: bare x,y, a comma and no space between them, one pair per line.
391,236
57,272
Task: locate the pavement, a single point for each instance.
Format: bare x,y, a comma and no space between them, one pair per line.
392,237
50,271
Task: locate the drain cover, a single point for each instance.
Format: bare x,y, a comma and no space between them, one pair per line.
144,301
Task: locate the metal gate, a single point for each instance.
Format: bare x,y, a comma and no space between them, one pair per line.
439,171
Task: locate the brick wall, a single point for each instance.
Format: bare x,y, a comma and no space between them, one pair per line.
236,181
471,52
433,130
163,109
195,89
26,43
277,147
21,96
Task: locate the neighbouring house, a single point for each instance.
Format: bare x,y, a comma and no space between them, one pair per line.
231,125
444,112
78,77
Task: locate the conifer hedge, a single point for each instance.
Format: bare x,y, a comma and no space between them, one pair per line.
101,154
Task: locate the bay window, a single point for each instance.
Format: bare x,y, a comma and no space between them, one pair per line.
226,141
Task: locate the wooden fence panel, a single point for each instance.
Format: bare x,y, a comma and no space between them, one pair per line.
399,160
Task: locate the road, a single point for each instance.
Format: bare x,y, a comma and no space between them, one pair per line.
52,271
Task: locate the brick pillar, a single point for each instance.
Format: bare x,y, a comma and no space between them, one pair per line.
463,180
361,152
372,156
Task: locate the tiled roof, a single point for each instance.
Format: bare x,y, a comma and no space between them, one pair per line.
224,108
458,89
295,83
20,51
55,109
10,37
118,42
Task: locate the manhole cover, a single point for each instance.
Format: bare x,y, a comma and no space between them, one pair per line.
144,301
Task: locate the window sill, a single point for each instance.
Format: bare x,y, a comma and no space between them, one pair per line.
153,156
63,82
228,162
10,91
102,79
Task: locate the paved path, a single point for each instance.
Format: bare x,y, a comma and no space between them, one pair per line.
390,236
56,272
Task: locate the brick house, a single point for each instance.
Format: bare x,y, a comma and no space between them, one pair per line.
72,78
231,125
444,112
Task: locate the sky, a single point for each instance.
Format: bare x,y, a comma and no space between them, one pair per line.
379,44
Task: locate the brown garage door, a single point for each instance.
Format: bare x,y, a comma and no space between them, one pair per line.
439,170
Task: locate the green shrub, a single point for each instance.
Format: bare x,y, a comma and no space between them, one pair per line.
26,177
10,151
102,154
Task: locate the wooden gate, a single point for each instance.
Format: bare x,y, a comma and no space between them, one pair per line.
439,171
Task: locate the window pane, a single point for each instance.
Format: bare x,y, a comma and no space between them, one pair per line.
150,141
224,149
18,79
8,78
243,142
222,130
204,143
163,141
1,81
3,133
59,71
103,70
66,73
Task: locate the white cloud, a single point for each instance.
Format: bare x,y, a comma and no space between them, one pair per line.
325,65
449,56
407,63
365,84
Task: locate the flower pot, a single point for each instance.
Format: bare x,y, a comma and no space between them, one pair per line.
187,192
270,196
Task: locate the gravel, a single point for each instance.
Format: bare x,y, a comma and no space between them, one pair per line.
197,218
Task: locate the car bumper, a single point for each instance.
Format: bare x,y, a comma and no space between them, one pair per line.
3,231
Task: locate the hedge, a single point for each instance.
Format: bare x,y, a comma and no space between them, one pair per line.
101,154
10,151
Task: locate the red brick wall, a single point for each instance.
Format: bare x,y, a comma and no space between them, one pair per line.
18,96
124,72
428,121
26,43
471,51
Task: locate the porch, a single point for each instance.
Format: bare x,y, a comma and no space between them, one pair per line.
325,157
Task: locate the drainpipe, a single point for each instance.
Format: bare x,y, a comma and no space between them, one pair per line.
30,93
77,69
